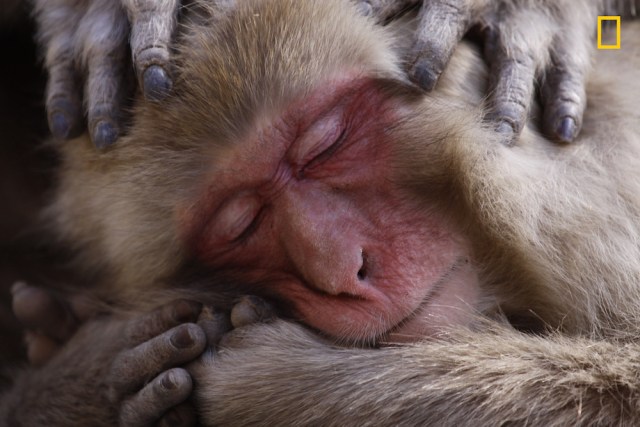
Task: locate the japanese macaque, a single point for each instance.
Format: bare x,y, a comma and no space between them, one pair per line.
428,272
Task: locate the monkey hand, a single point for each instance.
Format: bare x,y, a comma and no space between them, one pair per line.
146,381
122,368
548,41
50,319
86,42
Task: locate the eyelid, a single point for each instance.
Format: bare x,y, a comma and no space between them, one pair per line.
318,137
236,216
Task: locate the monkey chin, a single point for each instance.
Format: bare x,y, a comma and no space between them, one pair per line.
452,302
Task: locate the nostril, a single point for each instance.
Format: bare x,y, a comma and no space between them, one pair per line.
362,272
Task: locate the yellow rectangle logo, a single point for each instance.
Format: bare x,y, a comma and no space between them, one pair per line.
602,19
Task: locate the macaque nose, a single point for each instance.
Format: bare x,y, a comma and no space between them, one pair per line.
325,242
342,273
333,268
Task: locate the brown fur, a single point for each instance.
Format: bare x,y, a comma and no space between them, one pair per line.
555,231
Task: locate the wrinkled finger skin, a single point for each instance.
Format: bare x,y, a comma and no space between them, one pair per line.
165,391
85,46
522,47
134,367
146,379
152,26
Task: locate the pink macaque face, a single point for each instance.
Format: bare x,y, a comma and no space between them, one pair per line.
306,206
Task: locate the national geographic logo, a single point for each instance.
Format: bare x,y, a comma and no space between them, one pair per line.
607,20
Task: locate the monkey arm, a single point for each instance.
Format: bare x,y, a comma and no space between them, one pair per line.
280,374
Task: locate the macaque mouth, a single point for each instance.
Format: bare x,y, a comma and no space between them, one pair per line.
433,294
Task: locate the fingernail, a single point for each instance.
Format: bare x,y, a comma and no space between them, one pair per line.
157,83
506,129
364,8
104,135
566,129
182,338
59,125
424,76
168,381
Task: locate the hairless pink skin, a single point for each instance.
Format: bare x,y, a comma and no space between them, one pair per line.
305,205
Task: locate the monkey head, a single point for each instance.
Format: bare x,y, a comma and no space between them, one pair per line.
281,161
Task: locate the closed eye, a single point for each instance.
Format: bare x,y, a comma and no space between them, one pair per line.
326,154
237,218
250,229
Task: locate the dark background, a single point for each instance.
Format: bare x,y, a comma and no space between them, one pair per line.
25,171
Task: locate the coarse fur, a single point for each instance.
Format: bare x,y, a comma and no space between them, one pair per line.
554,228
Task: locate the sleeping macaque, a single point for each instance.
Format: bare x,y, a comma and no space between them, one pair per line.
426,272
86,46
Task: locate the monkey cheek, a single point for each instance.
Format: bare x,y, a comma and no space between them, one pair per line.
455,304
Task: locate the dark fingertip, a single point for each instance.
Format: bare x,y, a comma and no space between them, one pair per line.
505,128
64,119
566,129
507,131
104,134
60,125
156,83
186,311
422,75
365,8
182,338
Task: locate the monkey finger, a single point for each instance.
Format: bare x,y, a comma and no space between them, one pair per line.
442,23
563,93
162,319
165,391
105,58
153,23
214,325
40,348
183,415
383,10
56,27
134,367
511,85
41,310
251,309
64,101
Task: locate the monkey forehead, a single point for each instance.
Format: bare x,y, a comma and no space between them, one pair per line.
262,54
